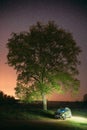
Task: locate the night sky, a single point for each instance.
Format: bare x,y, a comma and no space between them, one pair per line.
19,15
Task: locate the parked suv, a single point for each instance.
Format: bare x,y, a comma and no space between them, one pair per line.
63,113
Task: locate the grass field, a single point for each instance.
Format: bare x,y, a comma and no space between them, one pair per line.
31,116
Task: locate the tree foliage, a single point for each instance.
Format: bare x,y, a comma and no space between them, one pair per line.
45,58
85,98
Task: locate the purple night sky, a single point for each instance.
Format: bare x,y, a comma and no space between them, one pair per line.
19,15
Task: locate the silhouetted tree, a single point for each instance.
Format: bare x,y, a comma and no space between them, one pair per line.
85,98
4,98
1,96
47,57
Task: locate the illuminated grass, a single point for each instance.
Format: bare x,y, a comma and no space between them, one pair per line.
78,119
78,122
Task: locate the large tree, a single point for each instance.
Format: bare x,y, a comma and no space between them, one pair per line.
46,60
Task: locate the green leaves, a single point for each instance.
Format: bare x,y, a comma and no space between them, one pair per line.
48,55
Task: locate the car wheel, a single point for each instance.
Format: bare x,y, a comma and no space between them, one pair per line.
56,116
63,117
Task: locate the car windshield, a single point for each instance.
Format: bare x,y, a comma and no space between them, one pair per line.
61,110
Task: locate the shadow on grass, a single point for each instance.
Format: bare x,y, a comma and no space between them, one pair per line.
40,125
46,114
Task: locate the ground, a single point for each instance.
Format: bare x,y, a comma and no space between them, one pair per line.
31,116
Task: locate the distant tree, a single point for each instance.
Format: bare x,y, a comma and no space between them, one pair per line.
4,98
46,60
1,96
85,98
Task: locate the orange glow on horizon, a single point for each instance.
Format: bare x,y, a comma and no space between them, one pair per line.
7,79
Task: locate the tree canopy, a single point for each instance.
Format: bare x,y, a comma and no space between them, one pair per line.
46,59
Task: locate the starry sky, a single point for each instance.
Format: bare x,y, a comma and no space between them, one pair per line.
19,15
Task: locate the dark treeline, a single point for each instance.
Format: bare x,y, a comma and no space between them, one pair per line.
72,104
6,99
85,98
37,105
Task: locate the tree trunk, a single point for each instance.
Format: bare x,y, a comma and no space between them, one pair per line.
44,100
